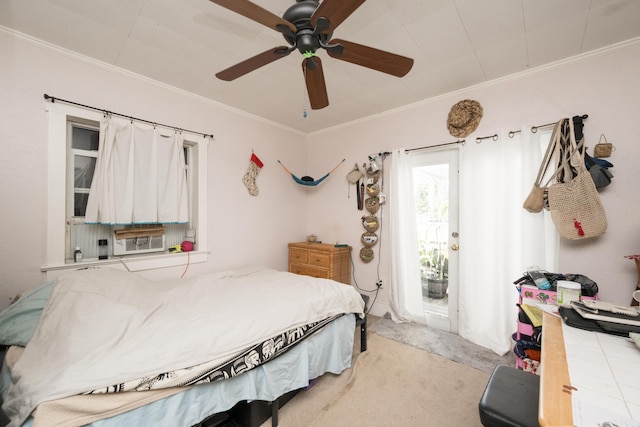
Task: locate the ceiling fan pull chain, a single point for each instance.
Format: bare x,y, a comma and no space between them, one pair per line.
304,105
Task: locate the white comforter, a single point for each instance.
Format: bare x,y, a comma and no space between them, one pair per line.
102,326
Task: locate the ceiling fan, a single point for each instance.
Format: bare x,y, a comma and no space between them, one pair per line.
308,26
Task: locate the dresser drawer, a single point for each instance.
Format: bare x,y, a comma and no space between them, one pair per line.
298,255
319,259
308,270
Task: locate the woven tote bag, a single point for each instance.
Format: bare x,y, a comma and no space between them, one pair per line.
535,201
574,204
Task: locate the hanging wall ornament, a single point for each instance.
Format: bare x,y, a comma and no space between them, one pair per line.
464,118
353,177
369,239
249,178
307,180
372,204
603,148
373,189
370,223
373,174
366,254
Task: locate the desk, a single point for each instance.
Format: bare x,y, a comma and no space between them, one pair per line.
555,405
603,369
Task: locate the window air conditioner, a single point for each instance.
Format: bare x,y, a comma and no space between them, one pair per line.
138,245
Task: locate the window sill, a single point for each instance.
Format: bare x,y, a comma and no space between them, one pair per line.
136,262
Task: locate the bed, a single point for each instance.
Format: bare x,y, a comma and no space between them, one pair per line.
108,347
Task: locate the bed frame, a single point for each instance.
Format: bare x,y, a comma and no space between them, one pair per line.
256,412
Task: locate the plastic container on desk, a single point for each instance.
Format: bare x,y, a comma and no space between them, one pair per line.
545,296
568,291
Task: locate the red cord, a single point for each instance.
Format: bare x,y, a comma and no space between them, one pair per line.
186,267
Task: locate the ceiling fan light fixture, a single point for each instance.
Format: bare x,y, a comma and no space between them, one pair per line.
307,26
307,42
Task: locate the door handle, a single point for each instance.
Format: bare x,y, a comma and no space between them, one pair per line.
455,247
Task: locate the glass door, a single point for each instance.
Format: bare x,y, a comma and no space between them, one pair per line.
435,197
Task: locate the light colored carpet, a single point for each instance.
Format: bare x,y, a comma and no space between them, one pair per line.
391,384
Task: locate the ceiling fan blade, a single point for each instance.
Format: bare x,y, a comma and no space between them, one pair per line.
375,59
253,63
335,11
256,13
314,78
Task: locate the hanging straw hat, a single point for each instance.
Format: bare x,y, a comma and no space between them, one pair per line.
464,118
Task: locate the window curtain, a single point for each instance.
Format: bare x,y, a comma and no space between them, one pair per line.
139,177
499,239
405,293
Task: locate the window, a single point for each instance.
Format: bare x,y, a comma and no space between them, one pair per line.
73,149
435,204
84,151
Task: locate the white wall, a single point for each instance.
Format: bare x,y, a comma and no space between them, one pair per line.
255,230
605,86
242,229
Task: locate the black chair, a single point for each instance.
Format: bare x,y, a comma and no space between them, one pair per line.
510,399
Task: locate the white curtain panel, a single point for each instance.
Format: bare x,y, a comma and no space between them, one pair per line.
139,177
405,293
499,239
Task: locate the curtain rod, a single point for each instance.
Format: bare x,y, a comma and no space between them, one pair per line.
177,129
534,129
460,141
482,138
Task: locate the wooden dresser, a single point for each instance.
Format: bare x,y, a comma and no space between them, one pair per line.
321,260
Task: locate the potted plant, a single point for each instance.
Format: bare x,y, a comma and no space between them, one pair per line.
432,212
434,269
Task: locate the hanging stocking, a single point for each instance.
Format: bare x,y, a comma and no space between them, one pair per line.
249,179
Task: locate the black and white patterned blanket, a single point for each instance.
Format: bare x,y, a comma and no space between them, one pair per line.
244,361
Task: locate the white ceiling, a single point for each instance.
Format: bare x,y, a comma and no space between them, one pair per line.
455,44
